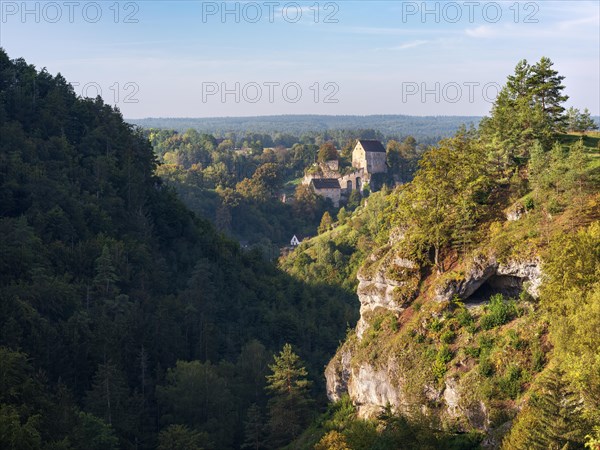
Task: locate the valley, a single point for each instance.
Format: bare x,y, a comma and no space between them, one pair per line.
442,290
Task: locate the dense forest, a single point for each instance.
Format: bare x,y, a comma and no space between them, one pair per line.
127,321
285,130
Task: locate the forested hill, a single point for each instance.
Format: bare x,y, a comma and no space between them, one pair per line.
398,126
125,320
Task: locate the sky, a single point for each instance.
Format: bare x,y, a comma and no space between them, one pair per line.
214,59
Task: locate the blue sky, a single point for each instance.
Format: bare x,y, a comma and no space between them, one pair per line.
176,58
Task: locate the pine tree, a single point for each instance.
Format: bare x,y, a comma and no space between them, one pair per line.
585,122
551,420
538,164
290,401
572,117
545,85
528,108
326,223
576,165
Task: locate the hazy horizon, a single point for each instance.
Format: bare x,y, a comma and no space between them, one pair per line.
223,59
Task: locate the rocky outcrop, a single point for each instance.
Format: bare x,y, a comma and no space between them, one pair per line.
529,271
337,374
391,283
371,389
512,275
464,285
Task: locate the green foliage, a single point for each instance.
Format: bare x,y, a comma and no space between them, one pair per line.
593,440
239,191
327,152
120,301
529,203
336,257
326,223
289,406
255,431
109,395
571,300
551,419
560,178
440,364
445,355
527,109
17,436
333,440
390,431
472,351
342,216
509,384
580,122
107,279
498,312
402,158
435,325
180,437
447,337
93,433
287,130
441,207
464,317
354,200
197,396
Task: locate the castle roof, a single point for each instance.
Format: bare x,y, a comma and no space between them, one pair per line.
372,145
325,183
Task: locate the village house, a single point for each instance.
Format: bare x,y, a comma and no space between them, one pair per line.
328,188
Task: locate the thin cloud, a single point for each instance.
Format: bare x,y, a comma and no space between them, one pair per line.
383,31
408,45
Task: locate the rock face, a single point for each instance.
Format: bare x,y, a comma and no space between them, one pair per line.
509,276
337,374
391,284
476,274
529,271
371,389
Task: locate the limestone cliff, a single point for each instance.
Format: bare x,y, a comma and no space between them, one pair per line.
386,281
391,359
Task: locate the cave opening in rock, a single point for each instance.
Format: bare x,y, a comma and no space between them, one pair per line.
508,286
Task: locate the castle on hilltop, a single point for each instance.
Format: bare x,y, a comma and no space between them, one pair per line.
368,159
